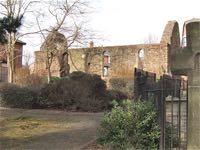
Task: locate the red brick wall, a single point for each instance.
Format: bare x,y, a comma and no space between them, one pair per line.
2,53
18,54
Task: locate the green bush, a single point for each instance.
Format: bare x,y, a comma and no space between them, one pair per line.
78,91
147,132
115,127
130,125
54,78
12,95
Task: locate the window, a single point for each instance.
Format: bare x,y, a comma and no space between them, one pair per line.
141,59
141,54
105,71
184,42
106,63
106,58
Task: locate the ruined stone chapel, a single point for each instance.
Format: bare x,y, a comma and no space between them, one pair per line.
120,61
170,56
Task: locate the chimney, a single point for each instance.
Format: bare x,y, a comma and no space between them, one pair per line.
91,44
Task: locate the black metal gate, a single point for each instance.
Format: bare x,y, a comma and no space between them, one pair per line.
170,94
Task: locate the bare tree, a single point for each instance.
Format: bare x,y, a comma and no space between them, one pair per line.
68,29
151,38
89,55
27,58
14,11
55,45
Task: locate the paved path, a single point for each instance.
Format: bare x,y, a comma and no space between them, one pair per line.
81,132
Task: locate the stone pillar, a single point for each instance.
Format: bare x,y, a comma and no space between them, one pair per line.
194,111
193,41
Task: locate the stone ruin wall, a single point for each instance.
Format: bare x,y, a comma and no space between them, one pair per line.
123,58
40,65
170,41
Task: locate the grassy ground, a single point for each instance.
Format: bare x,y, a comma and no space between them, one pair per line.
46,129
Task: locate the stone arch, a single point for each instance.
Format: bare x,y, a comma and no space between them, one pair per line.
54,41
171,35
106,53
170,42
57,47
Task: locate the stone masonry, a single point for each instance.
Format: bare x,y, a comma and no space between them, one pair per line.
119,61
165,57
186,61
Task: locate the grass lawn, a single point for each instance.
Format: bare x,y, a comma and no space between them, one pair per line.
43,129
26,127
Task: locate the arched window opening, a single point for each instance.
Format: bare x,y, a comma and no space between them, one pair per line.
106,63
141,55
184,42
105,71
106,58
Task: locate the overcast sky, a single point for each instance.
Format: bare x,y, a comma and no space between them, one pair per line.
125,22
131,21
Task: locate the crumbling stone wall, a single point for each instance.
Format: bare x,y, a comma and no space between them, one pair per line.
40,64
171,35
170,41
123,59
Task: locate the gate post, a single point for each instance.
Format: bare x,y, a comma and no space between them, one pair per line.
194,108
161,99
187,61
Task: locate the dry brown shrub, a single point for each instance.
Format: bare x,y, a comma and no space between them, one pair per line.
25,79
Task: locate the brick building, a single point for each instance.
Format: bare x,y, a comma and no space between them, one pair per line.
3,59
119,61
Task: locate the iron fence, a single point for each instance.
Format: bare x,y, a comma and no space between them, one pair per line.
170,94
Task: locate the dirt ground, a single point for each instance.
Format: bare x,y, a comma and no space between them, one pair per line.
46,129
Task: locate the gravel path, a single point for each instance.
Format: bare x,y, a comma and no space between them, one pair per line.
82,129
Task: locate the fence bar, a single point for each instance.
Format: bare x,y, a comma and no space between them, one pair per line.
162,117
187,115
179,117
172,118
167,93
